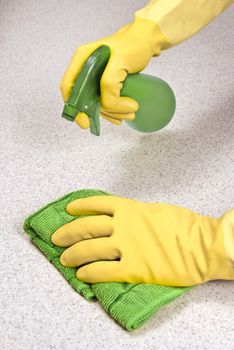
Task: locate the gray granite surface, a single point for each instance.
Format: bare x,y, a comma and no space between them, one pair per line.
189,163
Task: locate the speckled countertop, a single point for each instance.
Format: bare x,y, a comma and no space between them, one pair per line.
190,163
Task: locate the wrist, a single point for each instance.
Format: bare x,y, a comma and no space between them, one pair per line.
220,264
150,32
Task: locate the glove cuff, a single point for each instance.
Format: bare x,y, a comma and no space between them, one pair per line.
222,250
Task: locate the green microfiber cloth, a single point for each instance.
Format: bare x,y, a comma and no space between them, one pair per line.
129,304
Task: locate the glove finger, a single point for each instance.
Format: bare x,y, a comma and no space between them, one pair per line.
118,116
94,205
83,228
101,271
82,120
111,82
88,251
80,56
112,120
124,105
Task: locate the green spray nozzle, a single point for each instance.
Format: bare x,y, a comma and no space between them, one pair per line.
85,95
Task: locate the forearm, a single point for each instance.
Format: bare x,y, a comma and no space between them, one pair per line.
180,19
227,223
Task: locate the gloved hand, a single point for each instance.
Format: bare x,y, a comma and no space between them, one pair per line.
130,241
131,50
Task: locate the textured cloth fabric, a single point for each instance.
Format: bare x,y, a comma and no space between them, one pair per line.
129,304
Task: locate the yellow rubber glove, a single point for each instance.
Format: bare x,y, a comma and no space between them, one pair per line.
131,50
178,20
159,25
130,241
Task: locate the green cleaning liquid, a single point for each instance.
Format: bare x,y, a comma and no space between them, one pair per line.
155,97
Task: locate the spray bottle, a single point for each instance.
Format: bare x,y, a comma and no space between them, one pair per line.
155,97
